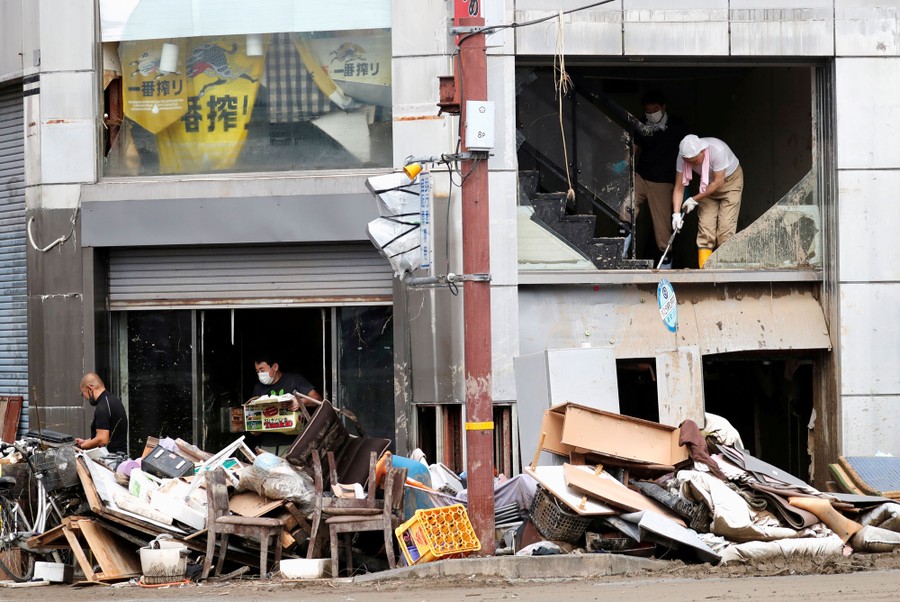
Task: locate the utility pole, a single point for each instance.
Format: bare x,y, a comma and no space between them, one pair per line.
472,80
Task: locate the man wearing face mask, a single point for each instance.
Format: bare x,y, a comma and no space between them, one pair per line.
110,425
655,151
272,381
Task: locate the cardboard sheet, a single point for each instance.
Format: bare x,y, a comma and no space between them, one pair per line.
251,504
608,490
553,480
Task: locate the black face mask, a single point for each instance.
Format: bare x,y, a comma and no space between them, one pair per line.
94,401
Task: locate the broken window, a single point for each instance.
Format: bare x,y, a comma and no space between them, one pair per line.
576,164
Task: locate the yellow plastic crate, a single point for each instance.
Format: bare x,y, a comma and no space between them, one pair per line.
436,533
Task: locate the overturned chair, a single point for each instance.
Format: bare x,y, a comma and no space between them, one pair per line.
221,522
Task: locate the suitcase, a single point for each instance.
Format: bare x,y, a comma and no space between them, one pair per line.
166,465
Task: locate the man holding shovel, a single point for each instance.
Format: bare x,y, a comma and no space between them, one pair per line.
719,196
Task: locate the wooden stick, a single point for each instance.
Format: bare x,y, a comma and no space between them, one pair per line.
583,502
540,448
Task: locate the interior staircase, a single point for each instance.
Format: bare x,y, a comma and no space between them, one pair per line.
577,231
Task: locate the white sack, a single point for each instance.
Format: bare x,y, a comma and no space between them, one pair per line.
784,548
885,516
721,430
875,539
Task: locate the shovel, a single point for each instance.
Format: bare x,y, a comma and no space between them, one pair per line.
669,244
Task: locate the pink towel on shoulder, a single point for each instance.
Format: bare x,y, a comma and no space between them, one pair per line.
688,173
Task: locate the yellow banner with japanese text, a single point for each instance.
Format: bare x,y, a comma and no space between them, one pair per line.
153,98
222,82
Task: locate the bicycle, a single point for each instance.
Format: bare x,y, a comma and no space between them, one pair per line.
52,477
15,561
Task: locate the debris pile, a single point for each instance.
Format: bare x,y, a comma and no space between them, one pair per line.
619,484
599,482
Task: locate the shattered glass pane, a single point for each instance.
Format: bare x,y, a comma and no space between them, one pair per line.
788,235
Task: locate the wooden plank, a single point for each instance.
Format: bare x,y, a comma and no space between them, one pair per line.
612,492
87,483
86,567
14,585
250,504
116,560
47,539
4,403
552,479
12,415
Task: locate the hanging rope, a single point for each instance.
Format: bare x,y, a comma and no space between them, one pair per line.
562,82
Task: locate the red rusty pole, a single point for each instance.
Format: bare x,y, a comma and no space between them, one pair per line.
477,300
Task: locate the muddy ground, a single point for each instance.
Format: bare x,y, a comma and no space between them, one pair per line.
871,577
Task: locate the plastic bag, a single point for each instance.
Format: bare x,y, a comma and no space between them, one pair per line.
278,480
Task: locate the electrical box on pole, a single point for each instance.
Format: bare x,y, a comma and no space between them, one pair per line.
479,125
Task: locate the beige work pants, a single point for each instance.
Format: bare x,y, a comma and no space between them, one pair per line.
717,214
658,196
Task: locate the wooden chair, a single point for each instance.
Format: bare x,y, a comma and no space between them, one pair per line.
220,521
327,505
386,520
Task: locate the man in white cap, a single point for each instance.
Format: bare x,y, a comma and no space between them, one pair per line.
719,196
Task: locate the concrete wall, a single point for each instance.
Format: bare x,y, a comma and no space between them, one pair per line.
19,45
868,163
61,155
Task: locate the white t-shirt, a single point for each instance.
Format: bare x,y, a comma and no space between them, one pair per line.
720,157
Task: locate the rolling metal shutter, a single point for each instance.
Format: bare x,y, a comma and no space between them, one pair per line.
334,274
13,284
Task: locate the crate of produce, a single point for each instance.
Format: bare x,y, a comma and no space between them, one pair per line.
273,415
437,533
553,521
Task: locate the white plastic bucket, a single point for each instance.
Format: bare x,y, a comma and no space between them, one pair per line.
164,564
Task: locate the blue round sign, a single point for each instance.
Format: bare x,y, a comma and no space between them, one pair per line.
668,306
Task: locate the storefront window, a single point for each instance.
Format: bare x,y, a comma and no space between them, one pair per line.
247,99
155,375
366,367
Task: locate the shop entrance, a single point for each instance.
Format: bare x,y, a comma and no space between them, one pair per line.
769,400
180,371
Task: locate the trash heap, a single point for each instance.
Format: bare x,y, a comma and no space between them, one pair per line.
178,513
613,483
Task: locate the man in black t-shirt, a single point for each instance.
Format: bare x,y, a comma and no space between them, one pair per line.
110,425
272,381
655,155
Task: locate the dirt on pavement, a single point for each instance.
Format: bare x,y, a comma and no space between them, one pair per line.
867,577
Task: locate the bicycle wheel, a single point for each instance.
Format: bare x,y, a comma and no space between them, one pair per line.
16,563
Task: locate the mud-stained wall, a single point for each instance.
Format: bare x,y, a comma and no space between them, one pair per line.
725,318
57,342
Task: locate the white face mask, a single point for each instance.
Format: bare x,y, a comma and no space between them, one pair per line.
654,117
264,378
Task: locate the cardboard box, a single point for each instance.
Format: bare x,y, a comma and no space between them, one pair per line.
273,415
588,430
